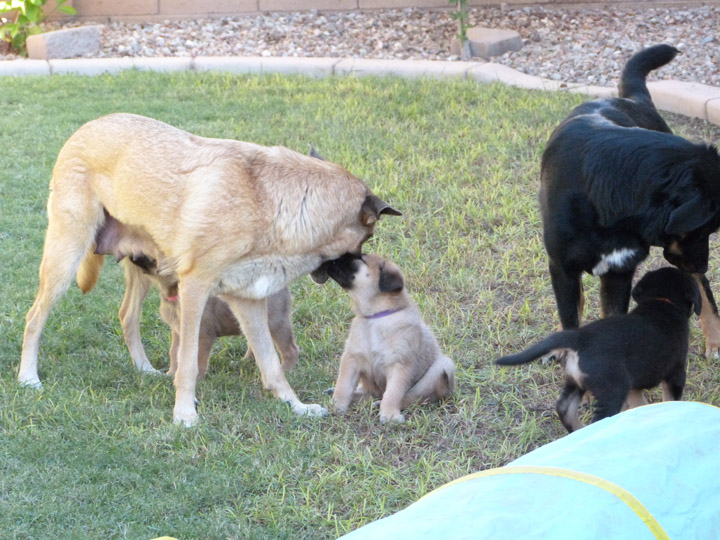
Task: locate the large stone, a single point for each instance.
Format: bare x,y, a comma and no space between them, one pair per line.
64,43
488,42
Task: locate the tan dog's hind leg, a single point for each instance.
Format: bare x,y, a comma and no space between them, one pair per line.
252,316
193,294
437,383
709,321
280,323
205,344
69,238
136,289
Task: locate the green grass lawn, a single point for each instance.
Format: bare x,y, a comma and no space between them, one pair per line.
94,453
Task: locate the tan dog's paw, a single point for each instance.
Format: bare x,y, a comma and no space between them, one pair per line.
31,383
187,416
396,417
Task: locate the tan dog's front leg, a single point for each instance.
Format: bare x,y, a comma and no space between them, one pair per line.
346,383
193,295
253,319
709,320
397,386
136,289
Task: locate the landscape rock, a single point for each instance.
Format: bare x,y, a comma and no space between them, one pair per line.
68,43
489,42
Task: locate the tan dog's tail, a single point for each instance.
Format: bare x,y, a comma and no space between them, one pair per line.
89,271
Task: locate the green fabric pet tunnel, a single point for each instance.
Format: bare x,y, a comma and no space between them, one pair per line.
648,473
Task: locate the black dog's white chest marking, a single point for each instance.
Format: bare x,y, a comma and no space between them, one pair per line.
615,260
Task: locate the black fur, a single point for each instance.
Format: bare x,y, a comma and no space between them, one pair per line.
342,269
390,282
634,351
615,180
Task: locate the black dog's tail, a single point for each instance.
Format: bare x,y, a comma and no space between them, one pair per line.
632,81
567,339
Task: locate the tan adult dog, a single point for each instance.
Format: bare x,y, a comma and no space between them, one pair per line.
232,219
390,351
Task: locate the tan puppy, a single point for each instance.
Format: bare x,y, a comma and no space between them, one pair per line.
390,351
231,219
217,321
144,266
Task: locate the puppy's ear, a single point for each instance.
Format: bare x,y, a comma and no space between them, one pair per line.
638,291
695,298
390,281
690,215
373,207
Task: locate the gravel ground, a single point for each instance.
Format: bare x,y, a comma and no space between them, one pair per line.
572,45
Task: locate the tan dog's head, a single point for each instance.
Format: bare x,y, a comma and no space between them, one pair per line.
357,231
373,283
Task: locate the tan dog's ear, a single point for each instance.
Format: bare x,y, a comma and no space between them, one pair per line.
373,207
313,153
390,281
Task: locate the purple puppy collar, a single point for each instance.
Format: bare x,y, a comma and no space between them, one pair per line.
383,314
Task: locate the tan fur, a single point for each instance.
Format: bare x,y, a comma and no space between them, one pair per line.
89,272
395,357
709,321
217,321
231,218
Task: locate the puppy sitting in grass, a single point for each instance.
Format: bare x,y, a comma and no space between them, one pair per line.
616,358
390,352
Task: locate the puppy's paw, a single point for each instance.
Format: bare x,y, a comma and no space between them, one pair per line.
396,417
303,409
712,351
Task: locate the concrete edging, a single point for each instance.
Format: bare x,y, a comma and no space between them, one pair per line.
689,99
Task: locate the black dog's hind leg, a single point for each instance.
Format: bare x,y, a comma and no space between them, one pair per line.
611,400
709,319
568,403
615,289
568,291
673,384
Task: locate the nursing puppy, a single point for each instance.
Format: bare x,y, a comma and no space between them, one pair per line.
232,219
390,352
217,320
144,267
614,359
614,182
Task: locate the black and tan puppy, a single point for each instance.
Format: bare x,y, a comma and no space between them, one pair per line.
390,352
614,359
614,182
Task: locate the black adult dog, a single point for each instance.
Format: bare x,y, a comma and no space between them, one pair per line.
615,181
616,358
